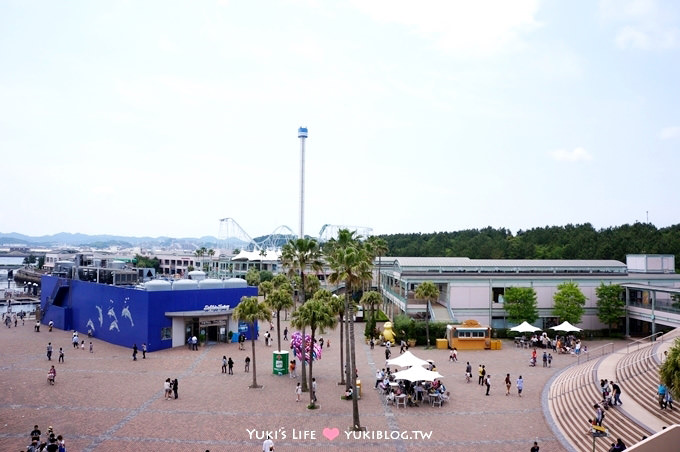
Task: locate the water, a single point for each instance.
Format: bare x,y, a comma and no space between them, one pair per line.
11,260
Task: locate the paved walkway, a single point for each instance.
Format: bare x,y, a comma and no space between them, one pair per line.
104,401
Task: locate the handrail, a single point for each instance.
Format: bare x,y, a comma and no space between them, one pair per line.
647,359
587,356
561,383
639,341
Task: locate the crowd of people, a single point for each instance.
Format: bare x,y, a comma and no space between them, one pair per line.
52,442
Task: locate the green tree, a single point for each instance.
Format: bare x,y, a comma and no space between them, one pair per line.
279,300
521,304
314,314
250,310
610,305
676,300
429,292
669,373
266,275
337,306
379,248
350,263
370,299
253,277
297,256
265,288
569,302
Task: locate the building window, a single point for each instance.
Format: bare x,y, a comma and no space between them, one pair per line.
166,333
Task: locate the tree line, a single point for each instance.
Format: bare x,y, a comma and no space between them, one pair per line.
581,241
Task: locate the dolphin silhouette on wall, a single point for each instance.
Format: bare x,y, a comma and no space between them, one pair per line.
126,313
101,317
112,313
90,324
114,326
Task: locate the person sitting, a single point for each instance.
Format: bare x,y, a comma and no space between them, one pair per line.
391,398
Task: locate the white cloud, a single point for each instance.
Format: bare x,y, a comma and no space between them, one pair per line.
467,28
578,154
668,133
643,24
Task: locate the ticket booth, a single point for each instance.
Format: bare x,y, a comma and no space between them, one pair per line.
471,335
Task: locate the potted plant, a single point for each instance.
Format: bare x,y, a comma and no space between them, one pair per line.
411,342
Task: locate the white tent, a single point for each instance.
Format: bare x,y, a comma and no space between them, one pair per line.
417,373
525,327
566,327
407,359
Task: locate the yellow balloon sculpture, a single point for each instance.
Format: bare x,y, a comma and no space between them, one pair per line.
387,333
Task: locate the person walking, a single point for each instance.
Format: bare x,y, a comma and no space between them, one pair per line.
545,359
167,387
143,350
549,359
661,392
314,390
535,447
224,364
520,386
175,384
487,382
388,353
285,334
468,372
61,355
91,347
291,369
247,363
507,384
49,351
230,365
599,414
51,375
668,400
298,392
134,352
268,445
616,390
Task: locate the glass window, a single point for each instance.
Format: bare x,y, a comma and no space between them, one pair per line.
166,333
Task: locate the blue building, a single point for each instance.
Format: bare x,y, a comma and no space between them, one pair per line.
162,315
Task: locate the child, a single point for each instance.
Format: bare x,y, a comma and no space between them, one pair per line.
91,347
82,345
298,392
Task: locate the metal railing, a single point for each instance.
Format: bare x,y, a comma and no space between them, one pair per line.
595,353
639,342
648,365
584,357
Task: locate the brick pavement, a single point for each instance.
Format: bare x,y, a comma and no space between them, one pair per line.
105,401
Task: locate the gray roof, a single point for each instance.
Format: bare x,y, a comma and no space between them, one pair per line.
505,263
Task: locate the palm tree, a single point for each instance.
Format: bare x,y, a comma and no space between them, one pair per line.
250,310
337,306
371,298
379,248
429,292
298,255
315,314
351,263
278,300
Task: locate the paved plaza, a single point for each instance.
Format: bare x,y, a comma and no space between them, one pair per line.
105,401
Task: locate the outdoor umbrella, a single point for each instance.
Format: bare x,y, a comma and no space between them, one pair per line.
417,373
407,359
525,327
566,327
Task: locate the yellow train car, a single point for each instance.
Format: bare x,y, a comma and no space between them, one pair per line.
470,335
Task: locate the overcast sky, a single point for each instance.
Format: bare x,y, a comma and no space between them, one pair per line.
161,118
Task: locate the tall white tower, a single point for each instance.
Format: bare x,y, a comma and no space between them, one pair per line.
302,135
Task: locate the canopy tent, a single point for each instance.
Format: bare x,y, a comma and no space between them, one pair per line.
525,327
417,373
566,327
407,359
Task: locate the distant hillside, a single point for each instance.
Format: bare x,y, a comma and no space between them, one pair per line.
105,240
